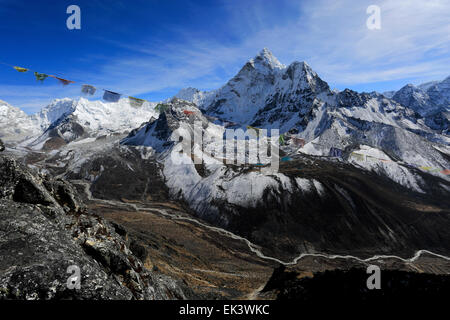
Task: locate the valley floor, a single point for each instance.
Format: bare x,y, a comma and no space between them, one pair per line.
217,266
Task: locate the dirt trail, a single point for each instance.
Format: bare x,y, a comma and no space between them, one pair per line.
253,247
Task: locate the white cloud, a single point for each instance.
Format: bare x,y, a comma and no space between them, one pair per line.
332,36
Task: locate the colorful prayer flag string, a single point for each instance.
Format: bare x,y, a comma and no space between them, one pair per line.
90,90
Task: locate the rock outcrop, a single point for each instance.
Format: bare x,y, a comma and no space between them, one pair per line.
44,229
350,285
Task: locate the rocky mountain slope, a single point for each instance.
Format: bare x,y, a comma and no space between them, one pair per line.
294,99
430,100
15,125
66,120
44,229
268,94
379,138
357,173
280,210
383,147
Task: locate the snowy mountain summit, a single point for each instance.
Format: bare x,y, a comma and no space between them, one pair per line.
295,100
267,94
66,120
262,83
430,100
15,125
266,60
347,161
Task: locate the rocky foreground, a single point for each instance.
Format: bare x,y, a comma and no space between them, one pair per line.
44,229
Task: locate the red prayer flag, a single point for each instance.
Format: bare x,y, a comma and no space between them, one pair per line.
64,82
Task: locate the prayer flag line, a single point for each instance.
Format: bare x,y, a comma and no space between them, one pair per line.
86,89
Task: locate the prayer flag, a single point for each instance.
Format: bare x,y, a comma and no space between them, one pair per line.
111,96
20,69
40,76
64,82
88,89
136,102
446,171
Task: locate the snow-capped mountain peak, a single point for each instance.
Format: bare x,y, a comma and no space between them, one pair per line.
431,100
413,97
194,95
15,125
67,120
53,112
425,98
265,59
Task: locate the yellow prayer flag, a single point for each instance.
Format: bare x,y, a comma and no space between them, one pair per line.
20,69
136,102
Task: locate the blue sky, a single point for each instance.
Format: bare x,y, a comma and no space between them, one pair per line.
151,49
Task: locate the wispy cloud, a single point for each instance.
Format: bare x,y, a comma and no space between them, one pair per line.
414,41
332,36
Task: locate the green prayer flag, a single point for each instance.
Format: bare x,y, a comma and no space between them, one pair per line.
40,76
